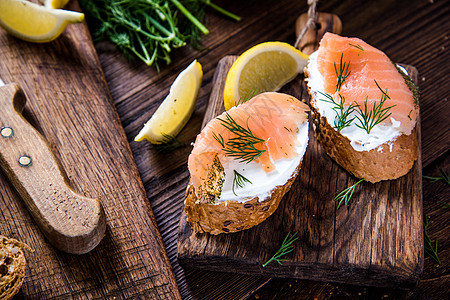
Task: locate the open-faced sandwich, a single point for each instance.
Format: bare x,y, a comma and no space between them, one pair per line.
244,161
364,108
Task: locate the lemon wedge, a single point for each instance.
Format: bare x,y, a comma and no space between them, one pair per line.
35,23
55,3
176,109
265,67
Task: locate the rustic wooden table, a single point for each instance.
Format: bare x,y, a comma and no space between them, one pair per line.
413,32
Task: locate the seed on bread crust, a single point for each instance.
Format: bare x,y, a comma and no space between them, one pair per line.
12,266
232,216
394,160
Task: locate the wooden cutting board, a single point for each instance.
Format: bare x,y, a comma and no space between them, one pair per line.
69,103
376,240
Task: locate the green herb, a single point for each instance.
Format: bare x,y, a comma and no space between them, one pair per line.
241,147
346,195
357,46
342,74
246,97
286,247
430,250
222,11
148,29
342,114
168,144
446,205
239,181
444,176
369,118
409,115
411,85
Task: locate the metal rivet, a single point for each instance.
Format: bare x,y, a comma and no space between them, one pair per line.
6,132
25,161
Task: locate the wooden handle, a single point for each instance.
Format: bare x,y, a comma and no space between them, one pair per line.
325,23
72,223
215,104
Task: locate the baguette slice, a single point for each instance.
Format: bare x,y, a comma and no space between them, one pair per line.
215,201
389,151
12,266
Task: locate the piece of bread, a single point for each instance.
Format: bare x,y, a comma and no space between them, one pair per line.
12,266
215,206
384,161
394,161
232,216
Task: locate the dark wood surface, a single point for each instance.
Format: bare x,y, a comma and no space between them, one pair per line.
69,103
410,32
353,243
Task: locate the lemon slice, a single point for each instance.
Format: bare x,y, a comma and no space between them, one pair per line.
35,23
55,3
265,67
176,109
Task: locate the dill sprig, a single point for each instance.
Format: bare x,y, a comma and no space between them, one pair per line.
444,176
250,94
346,195
430,249
148,29
239,181
370,118
342,113
168,144
286,247
356,46
241,147
342,74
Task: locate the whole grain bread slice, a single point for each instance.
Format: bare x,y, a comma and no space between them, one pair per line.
12,266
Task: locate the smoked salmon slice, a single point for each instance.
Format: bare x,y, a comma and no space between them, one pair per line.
272,119
362,75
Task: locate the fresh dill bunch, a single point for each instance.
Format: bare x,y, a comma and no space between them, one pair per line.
346,195
342,113
149,29
369,118
286,247
241,147
342,74
430,249
239,181
169,144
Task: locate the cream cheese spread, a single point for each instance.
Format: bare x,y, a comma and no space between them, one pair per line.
262,182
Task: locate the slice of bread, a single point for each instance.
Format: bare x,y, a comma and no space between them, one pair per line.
232,216
228,192
369,149
393,160
12,266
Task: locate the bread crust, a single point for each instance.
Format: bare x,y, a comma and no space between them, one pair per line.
395,160
12,266
232,216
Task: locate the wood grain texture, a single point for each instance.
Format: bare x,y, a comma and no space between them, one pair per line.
376,240
325,23
70,105
412,32
71,222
